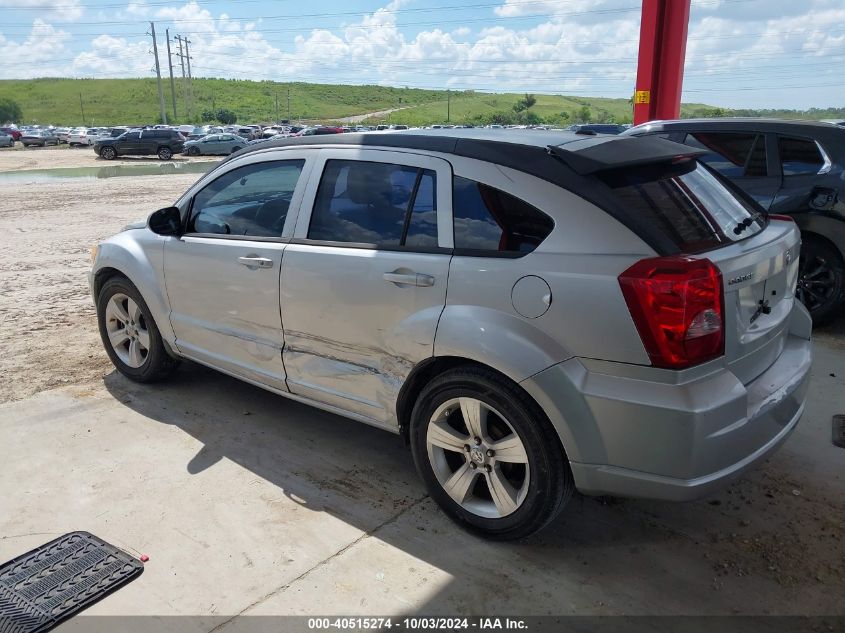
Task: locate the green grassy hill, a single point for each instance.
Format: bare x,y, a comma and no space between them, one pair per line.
130,101
135,101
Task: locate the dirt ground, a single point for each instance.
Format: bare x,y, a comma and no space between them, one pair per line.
47,328
782,528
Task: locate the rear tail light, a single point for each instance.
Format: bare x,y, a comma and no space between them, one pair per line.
677,305
782,218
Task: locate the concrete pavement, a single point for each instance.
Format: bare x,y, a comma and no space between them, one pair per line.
249,503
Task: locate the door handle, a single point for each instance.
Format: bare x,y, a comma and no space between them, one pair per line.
409,279
253,261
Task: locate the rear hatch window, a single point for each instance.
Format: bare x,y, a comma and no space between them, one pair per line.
685,202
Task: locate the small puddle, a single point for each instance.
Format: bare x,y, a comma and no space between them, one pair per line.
108,171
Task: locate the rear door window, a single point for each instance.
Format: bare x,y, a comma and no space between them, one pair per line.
799,156
687,203
732,154
378,204
488,220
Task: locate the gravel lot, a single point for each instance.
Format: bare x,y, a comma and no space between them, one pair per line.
49,335
772,543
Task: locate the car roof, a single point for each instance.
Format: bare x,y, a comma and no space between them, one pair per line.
736,123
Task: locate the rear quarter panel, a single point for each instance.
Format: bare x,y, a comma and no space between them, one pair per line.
580,261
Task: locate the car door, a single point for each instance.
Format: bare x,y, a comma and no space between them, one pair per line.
743,157
222,274
801,161
226,144
129,143
364,279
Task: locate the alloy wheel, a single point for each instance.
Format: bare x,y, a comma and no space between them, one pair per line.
478,458
127,330
816,281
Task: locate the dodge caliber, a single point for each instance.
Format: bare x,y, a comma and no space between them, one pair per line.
533,312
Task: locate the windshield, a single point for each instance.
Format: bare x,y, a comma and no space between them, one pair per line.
686,202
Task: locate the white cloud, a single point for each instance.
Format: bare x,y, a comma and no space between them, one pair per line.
68,10
34,56
577,46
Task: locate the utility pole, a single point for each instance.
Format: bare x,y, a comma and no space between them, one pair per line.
289,120
181,56
448,105
158,74
190,79
170,63
81,109
277,107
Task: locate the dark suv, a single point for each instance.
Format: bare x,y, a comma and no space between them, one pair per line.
794,168
161,143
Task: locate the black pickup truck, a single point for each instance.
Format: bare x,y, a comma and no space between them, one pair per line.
161,143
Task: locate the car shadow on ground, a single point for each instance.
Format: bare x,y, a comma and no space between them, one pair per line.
644,557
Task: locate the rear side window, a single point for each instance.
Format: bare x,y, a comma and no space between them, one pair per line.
687,203
732,154
799,156
381,204
487,220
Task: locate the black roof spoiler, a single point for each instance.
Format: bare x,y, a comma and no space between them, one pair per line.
599,153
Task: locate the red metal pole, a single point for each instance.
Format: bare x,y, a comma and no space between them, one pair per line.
660,72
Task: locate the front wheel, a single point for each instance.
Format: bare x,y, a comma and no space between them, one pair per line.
164,153
108,153
821,278
129,334
488,455
193,151
235,149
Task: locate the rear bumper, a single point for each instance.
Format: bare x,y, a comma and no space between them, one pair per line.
678,441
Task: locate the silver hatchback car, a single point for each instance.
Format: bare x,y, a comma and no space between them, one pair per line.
535,312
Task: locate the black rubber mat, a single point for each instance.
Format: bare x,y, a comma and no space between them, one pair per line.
49,584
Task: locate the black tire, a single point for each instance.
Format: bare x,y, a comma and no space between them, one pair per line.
551,484
821,278
108,153
164,153
193,151
158,364
235,149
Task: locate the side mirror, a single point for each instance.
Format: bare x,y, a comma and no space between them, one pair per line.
167,221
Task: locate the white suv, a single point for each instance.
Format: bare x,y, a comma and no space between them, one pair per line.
534,312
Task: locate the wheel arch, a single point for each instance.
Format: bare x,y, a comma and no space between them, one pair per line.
823,227
140,260
430,368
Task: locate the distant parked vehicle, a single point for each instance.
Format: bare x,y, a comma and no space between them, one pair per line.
597,128
41,138
6,140
215,144
793,168
113,132
161,143
62,133
316,131
15,134
80,136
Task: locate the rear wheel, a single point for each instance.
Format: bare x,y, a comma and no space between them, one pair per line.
164,153
108,153
488,455
821,278
129,334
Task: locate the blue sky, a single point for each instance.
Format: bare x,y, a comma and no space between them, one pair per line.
740,53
